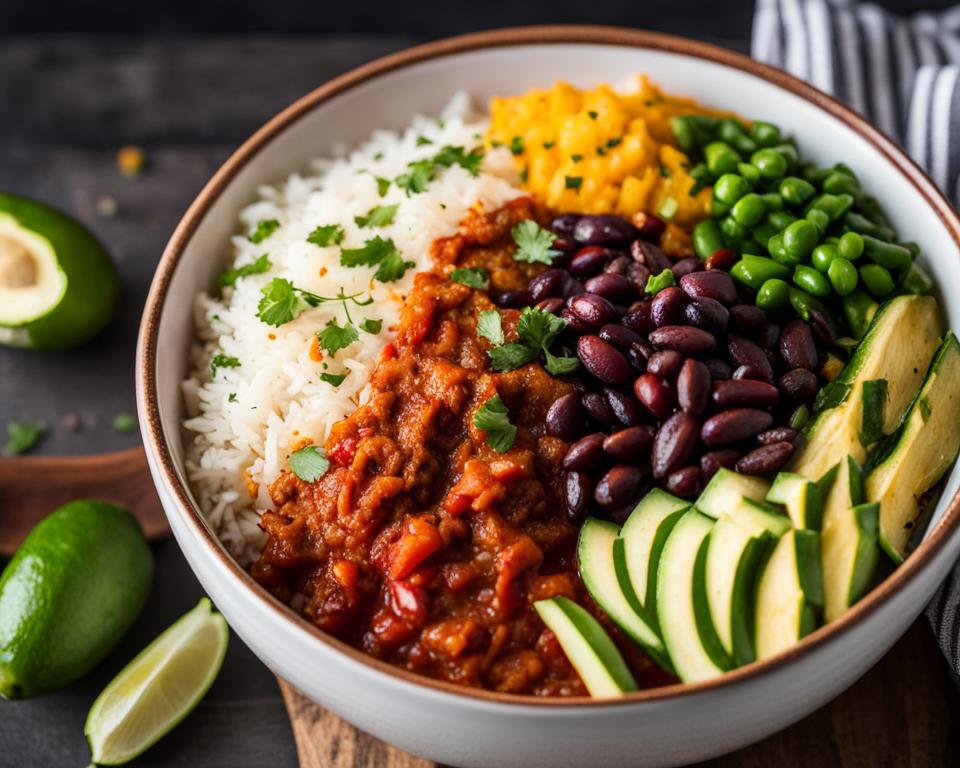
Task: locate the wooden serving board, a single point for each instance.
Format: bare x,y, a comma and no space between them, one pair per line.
898,714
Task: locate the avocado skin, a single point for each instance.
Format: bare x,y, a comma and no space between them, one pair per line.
71,592
90,300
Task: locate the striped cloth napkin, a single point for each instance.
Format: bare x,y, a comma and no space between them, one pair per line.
902,74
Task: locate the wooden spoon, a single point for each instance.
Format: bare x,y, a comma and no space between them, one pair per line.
31,487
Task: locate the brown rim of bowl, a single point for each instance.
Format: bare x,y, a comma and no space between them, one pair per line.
614,36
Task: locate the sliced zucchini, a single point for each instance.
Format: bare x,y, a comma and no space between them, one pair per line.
725,491
680,611
587,646
595,556
789,592
736,547
921,452
800,497
636,553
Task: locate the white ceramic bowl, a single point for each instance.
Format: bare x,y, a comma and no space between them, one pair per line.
667,726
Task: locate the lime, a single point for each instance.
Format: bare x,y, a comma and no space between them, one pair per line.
69,594
158,688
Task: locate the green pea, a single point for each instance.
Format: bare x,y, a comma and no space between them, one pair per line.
771,164
800,238
800,417
718,209
913,247
684,133
773,201
843,276
707,238
858,310
823,256
916,280
780,219
774,295
889,255
859,223
732,229
749,210
811,281
762,233
840,183
835,206
788,151
844,168
733,132
754,271
721,158
796,191
730,187
877,280
779,253
750,172
850,245
765,134
819,219
806,306
814,175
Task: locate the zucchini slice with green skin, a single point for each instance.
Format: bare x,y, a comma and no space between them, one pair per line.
921,453
898,346
736,548
58,287
788,594
680,609
636,553
587,646
800,497
595,556
725,491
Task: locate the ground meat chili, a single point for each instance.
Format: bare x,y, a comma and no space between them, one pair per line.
421,544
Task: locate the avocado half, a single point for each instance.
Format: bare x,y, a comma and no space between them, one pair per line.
58,287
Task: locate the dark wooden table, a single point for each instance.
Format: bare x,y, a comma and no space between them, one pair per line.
66,106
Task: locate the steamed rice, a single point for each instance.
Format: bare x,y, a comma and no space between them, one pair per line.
248,418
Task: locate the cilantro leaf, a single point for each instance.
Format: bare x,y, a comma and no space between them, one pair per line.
533,243
334,337
380,216
474,278
493,418
280,302
379,253
258,267
263,230
423,141
333,379
509,356
416,179
382,185
537,328
310,463
656,283
392,267
516,145
490,327
370,325
232,397
572,182
326,234
22,436
220,360
560,366
470,161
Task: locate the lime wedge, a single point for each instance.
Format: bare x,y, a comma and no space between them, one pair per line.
159,688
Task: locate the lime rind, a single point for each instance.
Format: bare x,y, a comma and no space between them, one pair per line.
159,688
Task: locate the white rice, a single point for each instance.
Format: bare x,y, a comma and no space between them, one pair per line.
247,418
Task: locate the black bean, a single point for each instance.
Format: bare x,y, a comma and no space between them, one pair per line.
638,275
650,256
553,305
513,299
744,392
711,461
566,418
619,265
708,314
625,407
777,435
577,492
715,285
685,267
618,486
797,347
771,334
622,338
665,364
649,227
693,387
603,230
657,395
574,323
566,246
749,372
722,259
684,339
745,352
822,328
719,370
564,225
548,283
799,385
673,444
734,425
597,407
638,317
748,320
668,306
685,483
637,355
611,287
630,445
584,453
592,310
589,261
603,360
765,460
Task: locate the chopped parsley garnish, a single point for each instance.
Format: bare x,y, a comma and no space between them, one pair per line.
559,366
335,337
378,156
416,179
382,185
614,142
513,355
423,141
474,278
258,267
281,301
369,325
576,158
470,161
593,114
125,422
493,418
379,216
516,145
490,327
310,463
533,242
422,172
573,182
232,397
379,253
656,283
548,144
664,171
525,174
326,234
333,379
601,151
263,230
22,436
221,360
536,331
